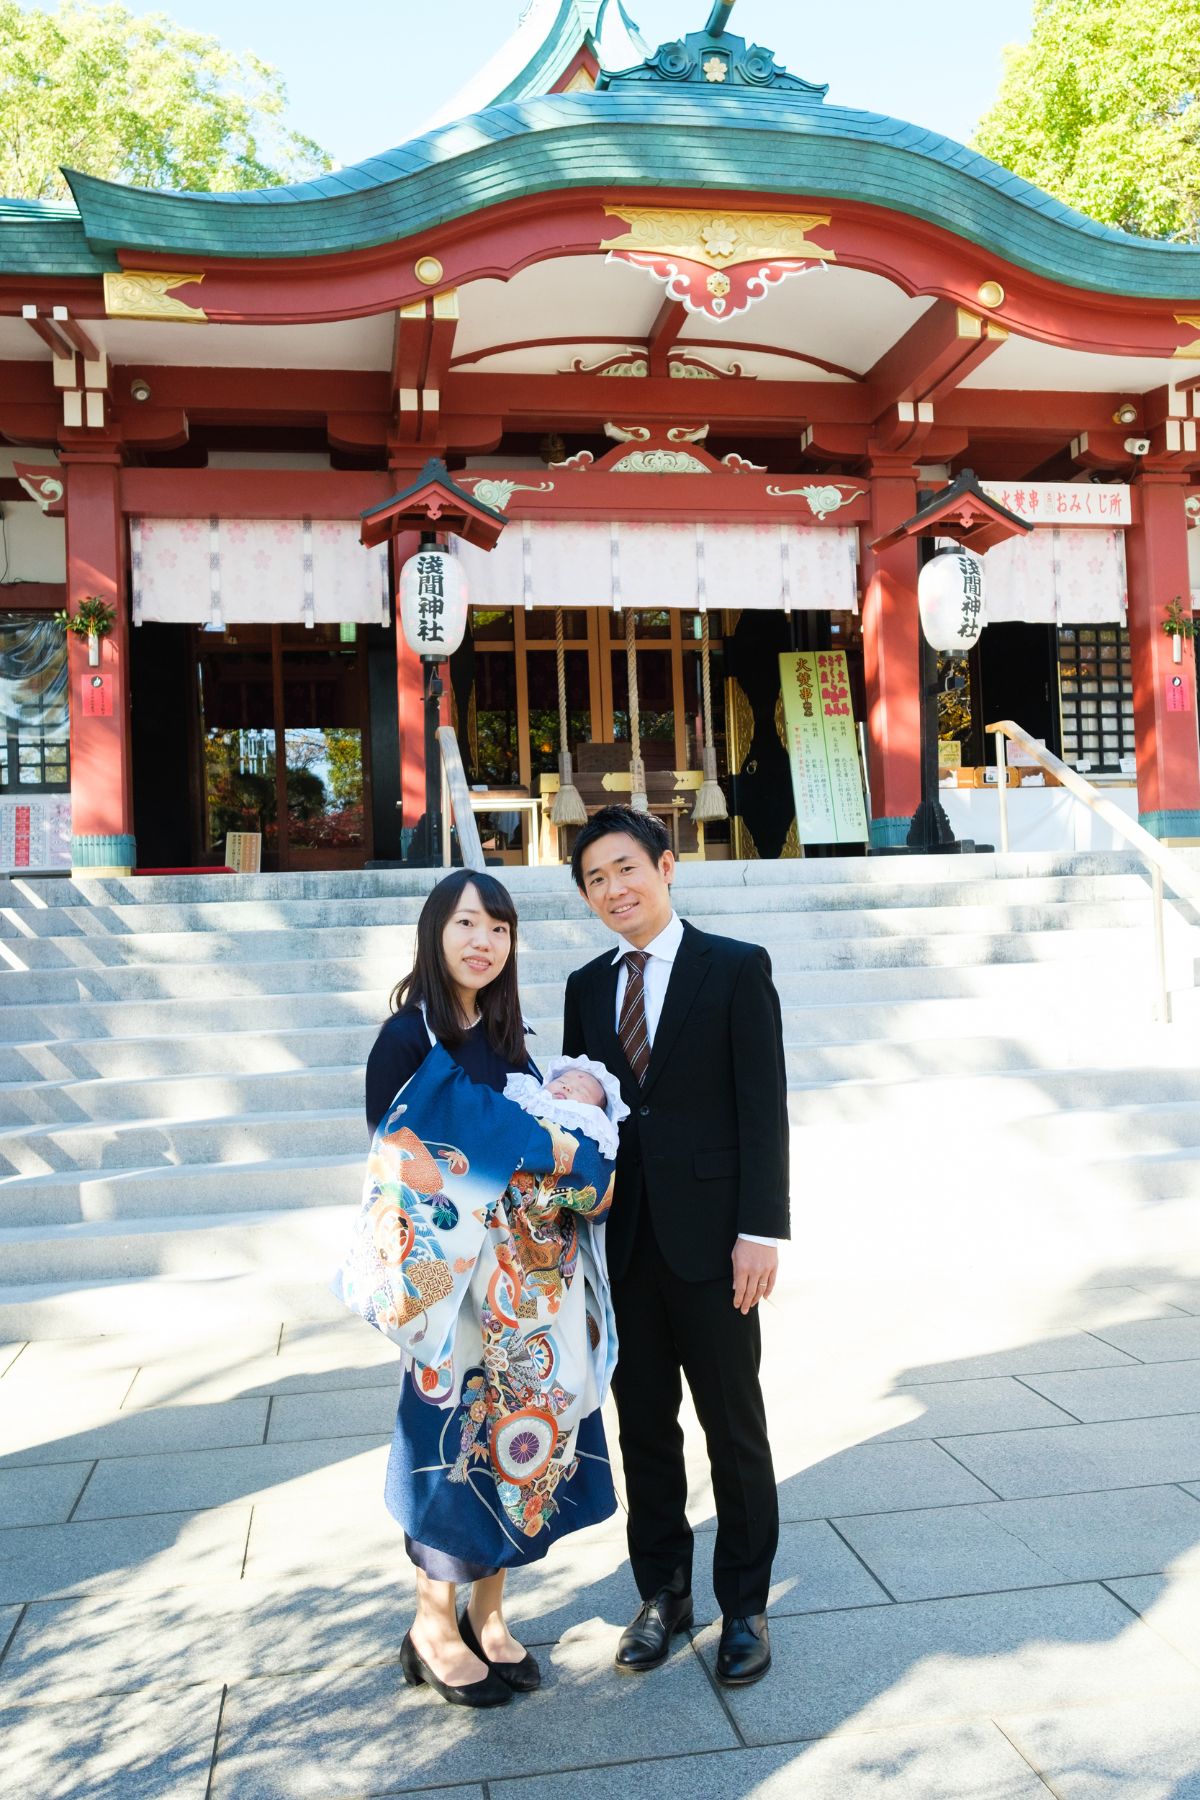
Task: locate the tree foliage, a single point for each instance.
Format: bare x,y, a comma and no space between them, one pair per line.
138,100
1102,109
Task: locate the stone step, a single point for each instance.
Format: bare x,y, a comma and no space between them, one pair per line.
199,1143
293,1244
895,871
697,901
285,1185
931,931
380,970
826,991
180,1306
1105,1119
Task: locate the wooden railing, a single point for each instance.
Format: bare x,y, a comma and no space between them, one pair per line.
1162,863
456,803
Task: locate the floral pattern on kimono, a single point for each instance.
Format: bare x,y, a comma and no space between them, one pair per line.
478,1248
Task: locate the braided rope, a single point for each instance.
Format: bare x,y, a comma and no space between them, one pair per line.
560,650
706,680
637,772
635,715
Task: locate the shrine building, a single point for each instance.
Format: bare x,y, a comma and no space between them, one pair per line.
698,339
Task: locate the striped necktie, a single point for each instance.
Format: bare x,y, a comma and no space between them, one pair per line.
633,1030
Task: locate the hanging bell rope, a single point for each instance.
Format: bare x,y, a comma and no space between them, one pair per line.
637,768
710,801
568,807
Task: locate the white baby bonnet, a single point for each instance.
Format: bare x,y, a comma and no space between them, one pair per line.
599,1124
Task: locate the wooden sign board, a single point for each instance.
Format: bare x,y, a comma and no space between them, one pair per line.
243,851
822,747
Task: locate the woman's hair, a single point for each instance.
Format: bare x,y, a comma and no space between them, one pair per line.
428,983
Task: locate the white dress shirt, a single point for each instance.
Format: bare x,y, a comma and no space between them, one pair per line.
660,958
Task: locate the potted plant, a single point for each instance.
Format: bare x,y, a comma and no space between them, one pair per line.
92,619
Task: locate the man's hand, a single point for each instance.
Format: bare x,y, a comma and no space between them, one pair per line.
755,1267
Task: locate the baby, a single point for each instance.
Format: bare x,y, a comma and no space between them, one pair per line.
578,1093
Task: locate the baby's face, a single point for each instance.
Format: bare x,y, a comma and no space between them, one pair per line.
577,1085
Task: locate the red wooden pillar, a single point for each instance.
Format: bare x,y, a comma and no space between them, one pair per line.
1164,691
102,840
410,697
891,656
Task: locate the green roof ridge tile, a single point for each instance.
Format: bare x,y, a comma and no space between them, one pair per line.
642,137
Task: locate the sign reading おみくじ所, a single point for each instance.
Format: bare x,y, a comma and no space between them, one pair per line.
822,747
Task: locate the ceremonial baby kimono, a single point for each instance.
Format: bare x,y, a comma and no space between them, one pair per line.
478,1248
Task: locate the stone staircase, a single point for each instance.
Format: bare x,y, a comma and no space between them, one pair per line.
181,1059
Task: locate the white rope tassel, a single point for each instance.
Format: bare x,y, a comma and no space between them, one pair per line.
568,807
638,798
710,801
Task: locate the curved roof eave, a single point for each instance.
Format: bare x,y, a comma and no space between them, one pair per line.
637,139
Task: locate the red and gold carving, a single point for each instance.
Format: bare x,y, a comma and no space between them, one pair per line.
718,264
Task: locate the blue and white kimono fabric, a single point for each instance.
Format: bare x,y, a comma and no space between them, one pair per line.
479,1249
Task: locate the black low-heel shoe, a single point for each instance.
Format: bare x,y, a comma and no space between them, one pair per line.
521,1677
417,1673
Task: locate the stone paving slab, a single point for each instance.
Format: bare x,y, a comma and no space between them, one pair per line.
96,1392
1066,1350
33,1435
308,1359
342,1735
1155,1340
944,1551
1092,1307
231,1630
8,1355
157,1553
56,1361
188,1479
878,1478
41,1496
1170,1605
934,1660
1079,1458
1148,1749
1088,1537
137,1747
963,1761
1141,1391
1186,1296
950,1408
337,1412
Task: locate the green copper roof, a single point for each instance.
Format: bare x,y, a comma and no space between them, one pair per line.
637,135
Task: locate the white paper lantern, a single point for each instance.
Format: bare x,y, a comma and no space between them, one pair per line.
433,604
950,593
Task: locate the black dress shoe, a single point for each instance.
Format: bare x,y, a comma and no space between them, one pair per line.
488,1692
646,1640
744,1653
522,1677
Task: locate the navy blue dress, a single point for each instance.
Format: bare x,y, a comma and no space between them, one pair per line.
397,1053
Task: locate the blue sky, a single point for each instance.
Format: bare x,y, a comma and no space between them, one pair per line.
363,75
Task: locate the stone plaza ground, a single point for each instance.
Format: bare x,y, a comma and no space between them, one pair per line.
987,1427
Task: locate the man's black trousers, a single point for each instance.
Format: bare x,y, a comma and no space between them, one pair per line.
666,1328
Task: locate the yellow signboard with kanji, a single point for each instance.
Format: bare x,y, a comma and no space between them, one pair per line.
822,747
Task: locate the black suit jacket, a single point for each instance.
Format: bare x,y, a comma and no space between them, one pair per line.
706,1142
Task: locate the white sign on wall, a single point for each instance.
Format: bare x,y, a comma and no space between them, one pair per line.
1072,503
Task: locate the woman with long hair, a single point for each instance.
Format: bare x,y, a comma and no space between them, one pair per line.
498,1448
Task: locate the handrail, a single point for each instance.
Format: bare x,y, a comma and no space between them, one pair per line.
456,803
1161,860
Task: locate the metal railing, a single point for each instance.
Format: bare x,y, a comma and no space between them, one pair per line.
456,803
1162,863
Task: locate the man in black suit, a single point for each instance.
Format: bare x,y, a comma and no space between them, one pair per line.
691,1024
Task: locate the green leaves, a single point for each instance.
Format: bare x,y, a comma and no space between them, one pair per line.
137,100
1102,109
